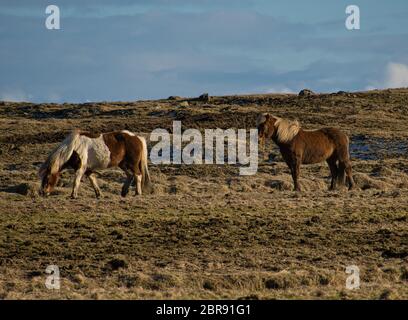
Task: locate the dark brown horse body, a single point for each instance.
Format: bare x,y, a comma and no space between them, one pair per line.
87,153
299,146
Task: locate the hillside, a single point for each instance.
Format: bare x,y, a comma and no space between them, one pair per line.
205,231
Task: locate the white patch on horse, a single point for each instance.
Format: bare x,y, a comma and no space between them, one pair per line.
128,132
98,154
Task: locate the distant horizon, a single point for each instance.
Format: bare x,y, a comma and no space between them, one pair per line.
145,50
217,96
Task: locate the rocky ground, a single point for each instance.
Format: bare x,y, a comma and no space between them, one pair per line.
205,231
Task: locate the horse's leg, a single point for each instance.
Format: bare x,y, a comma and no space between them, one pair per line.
77,180
126,185
128,181
297,174
340,173
263,148
295,170
94,183
263,142
333,170
349,174
137,172
139,184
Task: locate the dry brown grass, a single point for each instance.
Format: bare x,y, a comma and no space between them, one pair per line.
205,231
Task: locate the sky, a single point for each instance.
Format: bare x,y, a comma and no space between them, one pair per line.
122,50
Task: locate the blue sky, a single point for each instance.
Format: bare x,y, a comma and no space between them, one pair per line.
129,50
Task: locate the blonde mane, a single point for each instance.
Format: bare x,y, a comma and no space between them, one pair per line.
286,129
60,154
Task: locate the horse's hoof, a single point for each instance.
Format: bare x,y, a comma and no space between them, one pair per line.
74,196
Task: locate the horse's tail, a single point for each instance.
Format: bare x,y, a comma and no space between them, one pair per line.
61,154
344,158
146,182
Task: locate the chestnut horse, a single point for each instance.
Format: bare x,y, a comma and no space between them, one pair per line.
86,153
299,146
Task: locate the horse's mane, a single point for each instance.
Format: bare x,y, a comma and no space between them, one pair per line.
286,129
60,155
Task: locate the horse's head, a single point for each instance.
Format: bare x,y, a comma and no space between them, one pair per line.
266,127
48,180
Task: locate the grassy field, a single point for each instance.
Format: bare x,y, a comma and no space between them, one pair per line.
205,231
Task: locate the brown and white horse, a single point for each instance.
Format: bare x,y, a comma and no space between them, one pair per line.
299,146
86,153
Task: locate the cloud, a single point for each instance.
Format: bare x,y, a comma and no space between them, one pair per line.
280,89
149,56
369,88
396,75
126,50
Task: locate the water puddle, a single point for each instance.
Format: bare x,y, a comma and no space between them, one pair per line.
373,148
